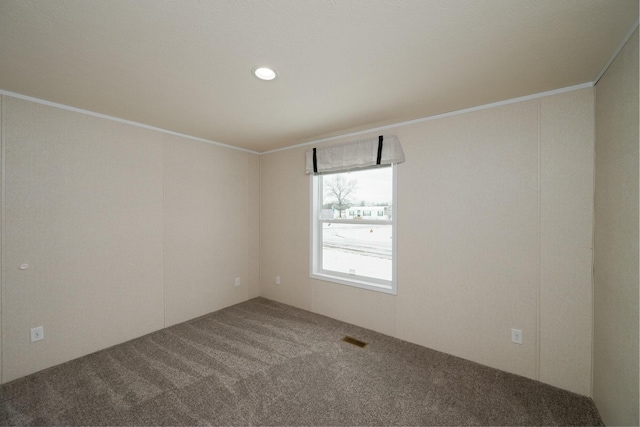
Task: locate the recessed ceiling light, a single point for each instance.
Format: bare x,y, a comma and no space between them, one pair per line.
264,73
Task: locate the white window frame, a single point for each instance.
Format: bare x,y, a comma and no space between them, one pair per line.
364,282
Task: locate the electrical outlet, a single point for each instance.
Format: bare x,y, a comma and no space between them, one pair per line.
237,281
37,334
516,336
277,280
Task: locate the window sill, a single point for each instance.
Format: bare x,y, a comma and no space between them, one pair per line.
357,282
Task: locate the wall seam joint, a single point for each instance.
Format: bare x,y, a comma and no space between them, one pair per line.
2,221
538,296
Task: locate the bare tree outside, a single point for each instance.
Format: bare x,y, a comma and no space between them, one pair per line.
338,189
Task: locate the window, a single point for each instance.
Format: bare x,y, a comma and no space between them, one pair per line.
353,229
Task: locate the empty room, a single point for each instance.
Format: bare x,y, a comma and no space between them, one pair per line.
319,212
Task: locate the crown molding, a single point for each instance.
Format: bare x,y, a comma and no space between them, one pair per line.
438,116
119,120
615,54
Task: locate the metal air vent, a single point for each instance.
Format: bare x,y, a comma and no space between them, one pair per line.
354,341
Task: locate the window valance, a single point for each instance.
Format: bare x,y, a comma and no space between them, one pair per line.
383,150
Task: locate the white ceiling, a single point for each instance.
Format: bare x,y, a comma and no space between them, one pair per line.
344,65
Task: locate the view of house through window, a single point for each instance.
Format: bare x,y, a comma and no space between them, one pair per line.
353,240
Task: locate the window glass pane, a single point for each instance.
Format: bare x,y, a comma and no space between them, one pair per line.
363,194
353,229
358,249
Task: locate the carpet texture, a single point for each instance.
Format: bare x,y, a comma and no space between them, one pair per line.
265,363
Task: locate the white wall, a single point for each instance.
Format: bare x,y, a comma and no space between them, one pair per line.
126,230
206,228
616,276
494,232
566,240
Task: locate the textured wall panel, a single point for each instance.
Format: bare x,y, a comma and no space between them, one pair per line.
615,368
206,228
566,240
83,208
468,236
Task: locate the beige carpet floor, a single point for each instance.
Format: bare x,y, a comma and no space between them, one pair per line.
265,363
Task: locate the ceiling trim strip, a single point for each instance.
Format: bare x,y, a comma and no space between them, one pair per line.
304,144
439,116
615,54
119,120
